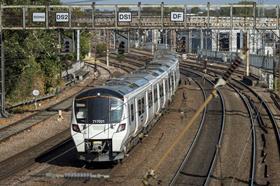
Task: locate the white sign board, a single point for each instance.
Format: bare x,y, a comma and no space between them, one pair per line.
39,17
35,92
124,17
177,16
62,17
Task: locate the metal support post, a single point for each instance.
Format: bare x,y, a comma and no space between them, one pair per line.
116,16
231,32
93,15
190,41
153,47
254,29
128,41
161,15
107,49
201,39
23,17
174,38
207,30
166,35
139,15
70,16
115,38
246,38
241,39
78,45
47,16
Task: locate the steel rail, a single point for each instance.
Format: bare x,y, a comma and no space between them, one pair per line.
267,109
213,161
270,115
32,120
263,103
253,133
174,178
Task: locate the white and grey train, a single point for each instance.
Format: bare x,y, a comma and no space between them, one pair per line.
109,120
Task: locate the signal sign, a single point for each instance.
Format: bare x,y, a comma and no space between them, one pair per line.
177,16
124,17
39,17
67,45
62,17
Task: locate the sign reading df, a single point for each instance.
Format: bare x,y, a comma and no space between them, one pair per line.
177,16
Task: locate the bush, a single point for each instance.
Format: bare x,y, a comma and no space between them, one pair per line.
101,50
31,78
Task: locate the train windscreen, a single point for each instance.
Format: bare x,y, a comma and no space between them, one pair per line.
99,110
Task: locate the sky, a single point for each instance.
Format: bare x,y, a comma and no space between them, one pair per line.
168,1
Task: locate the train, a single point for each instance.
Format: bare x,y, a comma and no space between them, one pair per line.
109,120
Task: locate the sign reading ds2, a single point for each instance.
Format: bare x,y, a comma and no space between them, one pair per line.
124,17
62,17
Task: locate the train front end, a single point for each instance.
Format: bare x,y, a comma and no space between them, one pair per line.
99,125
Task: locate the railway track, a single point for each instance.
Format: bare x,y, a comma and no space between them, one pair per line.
263,128
252,129
48,151
24,159
34,119
196,167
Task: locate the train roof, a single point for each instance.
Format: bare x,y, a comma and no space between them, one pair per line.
144,75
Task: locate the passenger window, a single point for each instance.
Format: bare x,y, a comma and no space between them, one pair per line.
131,112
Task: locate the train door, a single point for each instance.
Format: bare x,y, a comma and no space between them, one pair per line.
161,94
132,116
146,108
141,110
150,105
155,99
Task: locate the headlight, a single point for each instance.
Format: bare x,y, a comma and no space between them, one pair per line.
121,127
76,128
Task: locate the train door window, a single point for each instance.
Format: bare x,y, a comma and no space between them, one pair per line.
150,99
169,79
139,107
172,81
155,94
160,90
143,105
166,86
132,112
